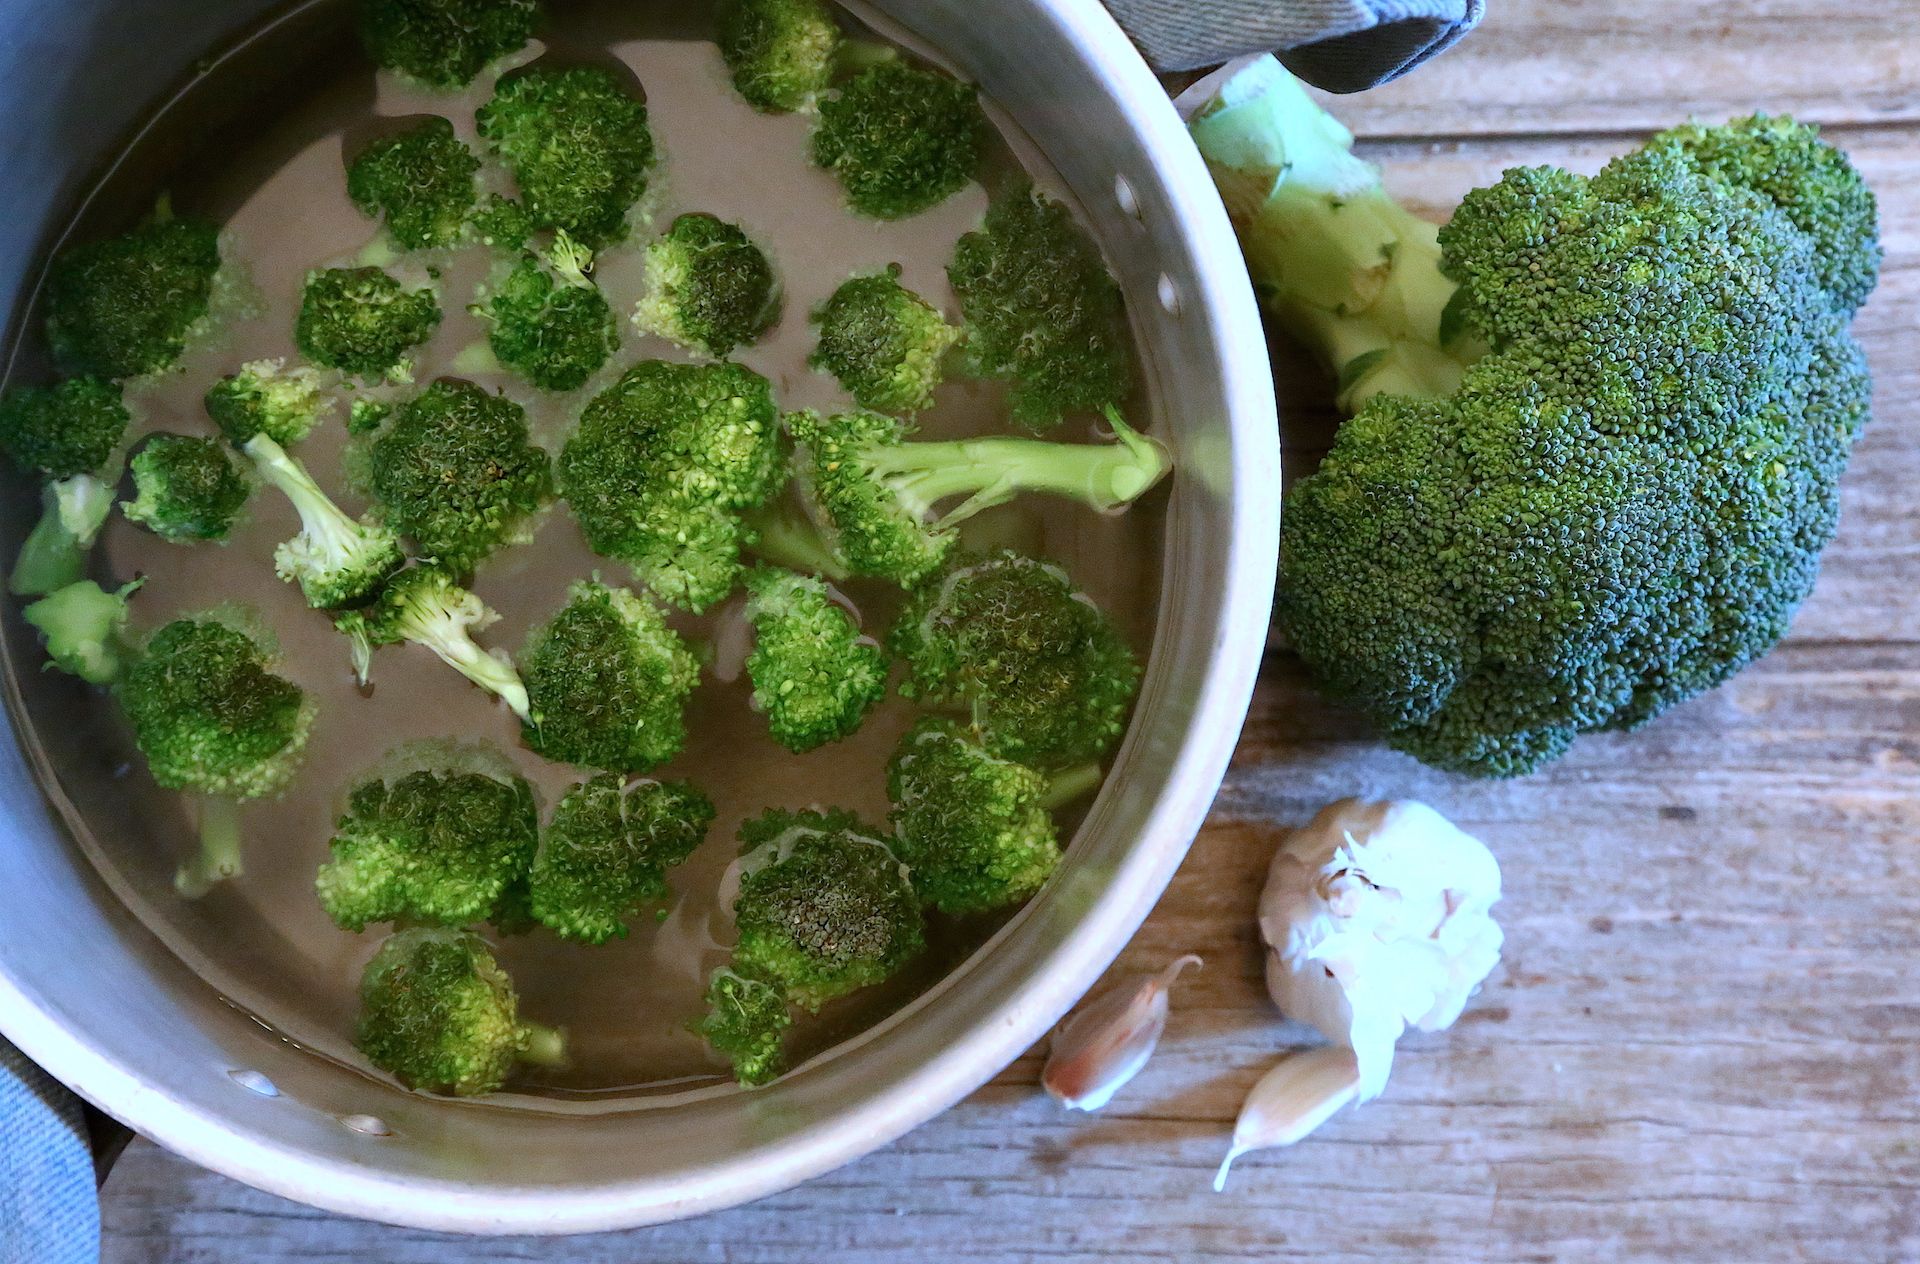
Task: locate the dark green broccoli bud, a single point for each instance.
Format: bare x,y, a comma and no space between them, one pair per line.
876,495
746,1023
454,469
824,907
445,43
608,681
70,432
901,139
708,287
128,305
85,629
186,489
367,415
661,466
973,828
552,327
883,342
1042,310
423,605
502,224
437,834
334,559
1006,638
362,321
578,145
814,675
781,52
439,1014
266,397
607,852
420,180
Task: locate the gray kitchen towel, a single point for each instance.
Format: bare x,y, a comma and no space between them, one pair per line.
1339,45
49,1212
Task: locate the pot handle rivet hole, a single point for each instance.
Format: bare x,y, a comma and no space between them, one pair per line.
367,1125
1169,295
253,1082
1125,197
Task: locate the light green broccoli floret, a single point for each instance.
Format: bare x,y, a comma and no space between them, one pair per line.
186,489
266,397
814,675
780,52
446,43
423,605
607,851
708,287
746,1023
362,321
548,321
577,142
883,342
367,415
901,139
128,305
335,559
420,180
85,628
69,433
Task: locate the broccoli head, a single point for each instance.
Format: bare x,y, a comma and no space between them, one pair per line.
901,139
445,43
128,305
814,675
266,397
883,342
577,142
709,288
186,489
607,681
335,559
70,432
746,1023
423,605
362,321
607,852
500,223
85,629
420,180
550,324
780,52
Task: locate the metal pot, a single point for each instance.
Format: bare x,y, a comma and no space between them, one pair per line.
91,995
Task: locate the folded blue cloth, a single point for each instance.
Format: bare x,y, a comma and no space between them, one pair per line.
49,1212
1339,45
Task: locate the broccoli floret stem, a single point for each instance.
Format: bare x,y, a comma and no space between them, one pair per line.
335,543
85,629
447,630
1068,784
785,538
570,260
219,855
55,551
546,1046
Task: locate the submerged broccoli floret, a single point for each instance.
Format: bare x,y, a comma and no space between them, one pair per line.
368,415
883,342
334,559
814,675
781,52
551,324
1042,310
577,143
607,852
708,287
362,321
746,1023
85,629
901,139
126,306
71,434
662,465
266,397
437,834
445,43
186,489
420,180
439,1014
1007,638
824,907
608,681
455,470
423,604
500,223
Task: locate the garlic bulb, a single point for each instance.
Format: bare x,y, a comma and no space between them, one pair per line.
1102,1046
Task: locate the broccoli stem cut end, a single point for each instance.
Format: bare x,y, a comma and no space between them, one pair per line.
219,857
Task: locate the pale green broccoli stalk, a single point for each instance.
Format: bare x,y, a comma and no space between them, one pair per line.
814,675
550,324
424,605
128,305
607,850
420,180
363,322
266,397
746,1023
85,628
187,489
69,433
446,43
884,343
901,139
785,534
54,554
577,142
780,52
334,559
708,287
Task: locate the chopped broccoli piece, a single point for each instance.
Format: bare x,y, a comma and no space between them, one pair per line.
781,52
577,143
423,604
746,1023
446,43
607,852
367,415
785,535
901,139
709,288
85,629
883,342
814,675
420,180
186,489
71,433
334,559
608,681
128,305
551,325
266,397
362,321
502,224
54,553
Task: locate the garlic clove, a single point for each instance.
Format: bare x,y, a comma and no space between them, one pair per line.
1301,1092
1106,1043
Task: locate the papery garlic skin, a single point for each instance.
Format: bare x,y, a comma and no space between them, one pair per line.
1105,1043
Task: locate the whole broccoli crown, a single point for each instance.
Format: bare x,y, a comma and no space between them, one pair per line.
607,681
555,336
661,466
186,488
455,469
502,224
883,342
72,427
746,1023
1042,310
266,397
437,845
708,286
608,849
445,43
84,626
781,52
870,527
972,827
824,907
578,145
901,139
126,306
362,321
421,180
814,675
438,1013
210,715
1045,674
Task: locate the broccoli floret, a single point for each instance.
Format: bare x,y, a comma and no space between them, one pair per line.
54,554
445,43
876,495
1042,310
70,433
824,907
439,1014
454,469
362,321
901,139
551,324
781,52
746,1023
423,605
437,834
578,145
1044,674
85,629
662,465
607,852
1623,500
708,287
334,559
420,180
785,534
266,397
128,305
186,489
368,415
883,342
814,675
608,681
500,223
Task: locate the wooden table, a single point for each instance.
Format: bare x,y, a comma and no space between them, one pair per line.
1704,1042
